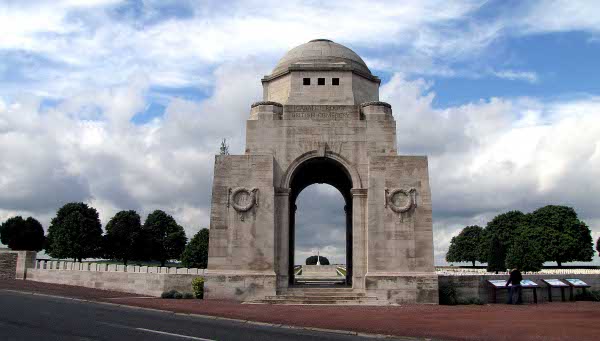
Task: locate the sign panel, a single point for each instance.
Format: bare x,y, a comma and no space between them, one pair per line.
498,283
577,282
555,283
528,283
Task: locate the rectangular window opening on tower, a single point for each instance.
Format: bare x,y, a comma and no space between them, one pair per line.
335,81
321,81
306,81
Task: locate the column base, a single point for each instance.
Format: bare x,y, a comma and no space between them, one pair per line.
238,285
402,288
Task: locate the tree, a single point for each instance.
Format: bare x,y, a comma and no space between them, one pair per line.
467,246
163,238
598,246
195,254
22,234
224,149
75,232
496,255
503,227
312,260
525,253
564,236
122,237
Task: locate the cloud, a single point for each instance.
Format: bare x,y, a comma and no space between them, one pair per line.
559,16
180,44
492,156
87,149
512,75
101,63
320,224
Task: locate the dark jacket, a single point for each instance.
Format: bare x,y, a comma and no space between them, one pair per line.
515,278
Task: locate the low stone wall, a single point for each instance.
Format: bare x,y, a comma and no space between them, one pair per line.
143,280
14,264
8,265
469,286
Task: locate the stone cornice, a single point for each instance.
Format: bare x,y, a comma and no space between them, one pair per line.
359,192
366,104
268,78
255,104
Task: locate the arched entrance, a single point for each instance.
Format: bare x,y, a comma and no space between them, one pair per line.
320,170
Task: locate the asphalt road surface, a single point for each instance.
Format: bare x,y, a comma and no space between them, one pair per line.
32,317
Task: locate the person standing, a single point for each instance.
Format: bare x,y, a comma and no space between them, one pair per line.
515,286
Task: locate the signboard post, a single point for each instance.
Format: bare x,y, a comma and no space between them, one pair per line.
499,284
556,283
576,283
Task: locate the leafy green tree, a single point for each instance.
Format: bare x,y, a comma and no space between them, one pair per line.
525,253
122,237
467,246
598,246
503,227
163,238
75,233
564,236
195,254
22,234
312,260
496,255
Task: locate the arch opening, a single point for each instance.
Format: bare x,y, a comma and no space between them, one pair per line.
321,170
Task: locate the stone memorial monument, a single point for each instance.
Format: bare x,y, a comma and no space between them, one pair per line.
321,121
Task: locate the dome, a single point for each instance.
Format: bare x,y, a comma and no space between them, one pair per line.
321,51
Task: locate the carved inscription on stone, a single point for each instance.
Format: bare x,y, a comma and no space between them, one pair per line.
320,112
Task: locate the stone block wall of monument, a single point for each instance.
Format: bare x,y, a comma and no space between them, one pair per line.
320,121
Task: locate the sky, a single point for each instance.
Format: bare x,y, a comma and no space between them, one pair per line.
123,104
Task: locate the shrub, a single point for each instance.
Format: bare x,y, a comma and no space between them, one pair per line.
588,295
198,287
471,300
178,295
169,294
188,295
448,293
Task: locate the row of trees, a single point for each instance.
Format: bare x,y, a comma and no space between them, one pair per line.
514,239
76,232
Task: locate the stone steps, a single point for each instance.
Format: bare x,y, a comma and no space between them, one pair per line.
330,296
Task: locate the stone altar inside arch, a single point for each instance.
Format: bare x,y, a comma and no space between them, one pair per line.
321,121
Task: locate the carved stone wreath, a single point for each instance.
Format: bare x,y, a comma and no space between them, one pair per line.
410,194
252,194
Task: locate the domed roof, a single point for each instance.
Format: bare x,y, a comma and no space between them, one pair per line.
321,51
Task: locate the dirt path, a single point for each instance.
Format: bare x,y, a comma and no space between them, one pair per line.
549,321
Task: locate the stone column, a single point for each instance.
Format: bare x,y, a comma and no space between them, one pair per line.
25,260
282,235
359,237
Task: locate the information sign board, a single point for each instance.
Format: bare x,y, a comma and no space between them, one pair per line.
576,282
555,282
528,283
498,283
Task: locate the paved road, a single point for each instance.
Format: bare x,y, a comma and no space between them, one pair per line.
32,317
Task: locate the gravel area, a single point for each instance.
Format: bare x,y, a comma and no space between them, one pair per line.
548,321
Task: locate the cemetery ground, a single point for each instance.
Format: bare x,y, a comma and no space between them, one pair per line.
547,321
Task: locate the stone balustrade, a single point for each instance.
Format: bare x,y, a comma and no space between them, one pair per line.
484,272
42,264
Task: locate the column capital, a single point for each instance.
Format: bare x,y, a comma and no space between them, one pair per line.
282,191
358,192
